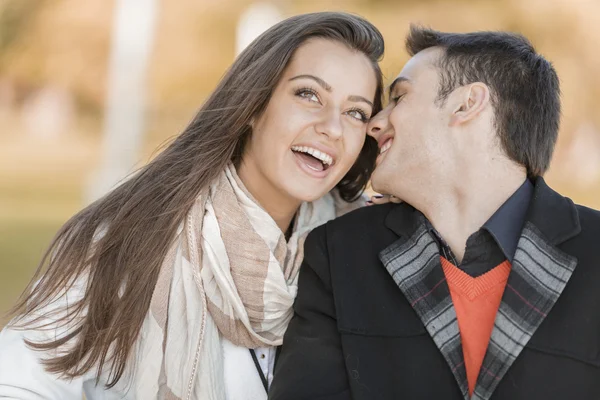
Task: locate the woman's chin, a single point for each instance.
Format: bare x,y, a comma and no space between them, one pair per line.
306,195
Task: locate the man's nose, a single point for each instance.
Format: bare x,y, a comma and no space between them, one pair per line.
379,123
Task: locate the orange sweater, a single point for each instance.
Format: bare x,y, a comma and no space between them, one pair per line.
476,301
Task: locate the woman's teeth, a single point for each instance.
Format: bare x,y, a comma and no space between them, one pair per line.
386,146
325,158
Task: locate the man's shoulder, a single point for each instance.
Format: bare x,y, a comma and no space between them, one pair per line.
360,230
358,222
589,221
587,213
363,214
581,231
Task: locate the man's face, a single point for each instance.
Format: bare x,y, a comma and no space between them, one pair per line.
413,130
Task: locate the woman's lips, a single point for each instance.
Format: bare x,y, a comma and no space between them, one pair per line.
308,165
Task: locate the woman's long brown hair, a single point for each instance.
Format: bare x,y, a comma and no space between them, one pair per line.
139,218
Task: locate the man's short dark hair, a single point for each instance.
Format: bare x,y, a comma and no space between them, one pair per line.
524,87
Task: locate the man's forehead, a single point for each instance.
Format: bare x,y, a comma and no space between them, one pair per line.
422,61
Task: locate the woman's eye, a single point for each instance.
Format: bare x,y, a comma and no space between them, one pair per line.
359,115
308,94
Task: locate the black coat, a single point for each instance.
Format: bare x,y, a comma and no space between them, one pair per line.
372,320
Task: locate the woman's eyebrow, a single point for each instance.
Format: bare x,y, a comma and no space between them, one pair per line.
320,81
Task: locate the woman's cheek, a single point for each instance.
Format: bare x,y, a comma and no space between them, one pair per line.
352,151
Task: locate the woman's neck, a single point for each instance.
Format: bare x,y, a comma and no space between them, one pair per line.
280,207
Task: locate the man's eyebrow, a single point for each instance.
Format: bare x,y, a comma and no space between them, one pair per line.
398,80
320,81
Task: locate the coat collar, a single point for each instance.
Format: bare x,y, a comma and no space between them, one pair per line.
413,262
540,272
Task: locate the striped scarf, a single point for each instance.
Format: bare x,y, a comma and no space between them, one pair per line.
229,273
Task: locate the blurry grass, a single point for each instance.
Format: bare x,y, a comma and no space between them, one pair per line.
40,188
21,246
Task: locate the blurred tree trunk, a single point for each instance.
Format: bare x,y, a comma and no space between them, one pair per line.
134,27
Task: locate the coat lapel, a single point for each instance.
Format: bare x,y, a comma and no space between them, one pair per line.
540,272
414,263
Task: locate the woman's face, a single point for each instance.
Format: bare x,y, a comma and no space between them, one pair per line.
314,125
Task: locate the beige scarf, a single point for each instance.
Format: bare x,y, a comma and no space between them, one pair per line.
230,273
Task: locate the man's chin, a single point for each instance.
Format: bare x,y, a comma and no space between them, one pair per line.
378,182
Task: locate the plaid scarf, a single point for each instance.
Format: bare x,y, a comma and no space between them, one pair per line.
229,273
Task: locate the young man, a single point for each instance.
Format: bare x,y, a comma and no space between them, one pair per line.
484,283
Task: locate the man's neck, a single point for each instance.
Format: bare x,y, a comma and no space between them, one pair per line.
458,209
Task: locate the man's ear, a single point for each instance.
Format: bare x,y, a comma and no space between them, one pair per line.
472,100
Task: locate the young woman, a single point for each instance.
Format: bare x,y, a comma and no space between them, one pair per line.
179,283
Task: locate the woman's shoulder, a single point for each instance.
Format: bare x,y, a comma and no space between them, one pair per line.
22,373
21,366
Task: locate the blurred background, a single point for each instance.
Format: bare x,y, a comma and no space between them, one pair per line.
89,90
